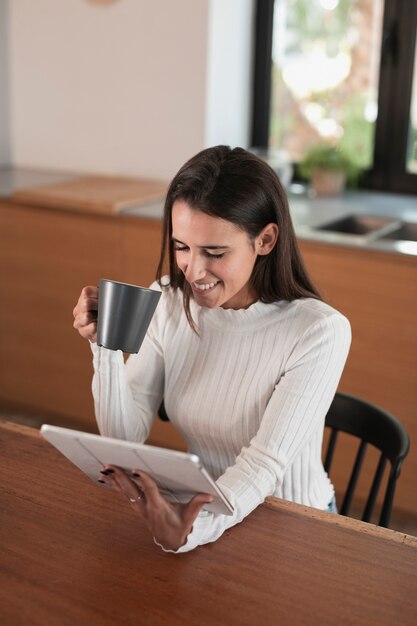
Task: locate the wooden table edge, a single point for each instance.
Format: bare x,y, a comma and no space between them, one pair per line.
342,521
22,429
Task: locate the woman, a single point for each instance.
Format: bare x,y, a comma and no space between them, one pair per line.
241,348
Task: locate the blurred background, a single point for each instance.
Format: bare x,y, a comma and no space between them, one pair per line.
129,86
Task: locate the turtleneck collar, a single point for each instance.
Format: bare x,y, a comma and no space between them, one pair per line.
257,314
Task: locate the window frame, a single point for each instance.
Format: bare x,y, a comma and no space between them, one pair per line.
388,172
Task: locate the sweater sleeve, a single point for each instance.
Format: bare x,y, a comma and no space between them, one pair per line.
295,411
127,395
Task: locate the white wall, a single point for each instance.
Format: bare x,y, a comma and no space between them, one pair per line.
5,140
118,88
229,72
134,87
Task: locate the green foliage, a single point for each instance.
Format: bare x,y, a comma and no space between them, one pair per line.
328,157
309,23
412,151
358,137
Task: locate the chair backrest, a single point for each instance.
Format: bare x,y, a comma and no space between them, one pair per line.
162,414
372,425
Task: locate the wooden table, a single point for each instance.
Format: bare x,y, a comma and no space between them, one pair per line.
72,554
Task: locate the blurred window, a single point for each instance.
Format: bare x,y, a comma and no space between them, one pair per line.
340,71
412,137
325,68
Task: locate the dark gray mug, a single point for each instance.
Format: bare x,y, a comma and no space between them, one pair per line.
124,314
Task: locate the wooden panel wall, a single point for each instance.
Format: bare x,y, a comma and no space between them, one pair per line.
46,257
378,294
141,242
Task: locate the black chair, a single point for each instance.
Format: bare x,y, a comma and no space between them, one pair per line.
374,426
162,414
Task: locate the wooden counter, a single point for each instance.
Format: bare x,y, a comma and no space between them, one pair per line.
378,294
102,195
94,564
46,256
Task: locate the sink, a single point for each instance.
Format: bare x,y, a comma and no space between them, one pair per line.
361,225
364,229
406,231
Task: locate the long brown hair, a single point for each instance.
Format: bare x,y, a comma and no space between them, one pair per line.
237,186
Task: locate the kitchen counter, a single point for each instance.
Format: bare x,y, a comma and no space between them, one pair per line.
307,213
79,193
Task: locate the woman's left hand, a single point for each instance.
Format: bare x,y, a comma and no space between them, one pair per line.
169,523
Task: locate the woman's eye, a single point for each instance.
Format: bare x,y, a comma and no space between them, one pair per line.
180,248
215,256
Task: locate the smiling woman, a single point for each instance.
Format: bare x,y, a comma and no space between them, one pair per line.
245,355
220,278
247,204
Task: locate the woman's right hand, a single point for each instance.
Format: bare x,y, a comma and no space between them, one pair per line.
85,313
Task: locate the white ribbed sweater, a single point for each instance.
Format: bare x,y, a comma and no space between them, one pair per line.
249,395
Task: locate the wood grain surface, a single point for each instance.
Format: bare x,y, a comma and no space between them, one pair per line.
94,194
378,294
74,554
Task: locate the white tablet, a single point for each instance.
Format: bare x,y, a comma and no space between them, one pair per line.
178,475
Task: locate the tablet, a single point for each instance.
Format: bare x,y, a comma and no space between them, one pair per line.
179,475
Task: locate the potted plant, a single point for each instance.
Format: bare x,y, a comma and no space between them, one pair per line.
328,169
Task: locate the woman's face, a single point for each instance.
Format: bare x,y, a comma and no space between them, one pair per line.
216,257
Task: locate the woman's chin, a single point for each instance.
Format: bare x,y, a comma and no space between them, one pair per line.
206,301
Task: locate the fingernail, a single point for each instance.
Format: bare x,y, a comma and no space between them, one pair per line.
135,474
101,481
106,472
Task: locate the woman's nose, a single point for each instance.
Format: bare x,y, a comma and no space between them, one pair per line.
194,268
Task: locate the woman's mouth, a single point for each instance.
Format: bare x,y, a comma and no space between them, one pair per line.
204,287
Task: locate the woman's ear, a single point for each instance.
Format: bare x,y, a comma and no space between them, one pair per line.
267,239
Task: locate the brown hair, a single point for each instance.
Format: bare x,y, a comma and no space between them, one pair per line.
236,185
